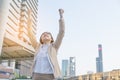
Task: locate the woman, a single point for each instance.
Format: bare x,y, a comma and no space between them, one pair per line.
45,65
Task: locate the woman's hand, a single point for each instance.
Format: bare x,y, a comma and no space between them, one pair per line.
61,11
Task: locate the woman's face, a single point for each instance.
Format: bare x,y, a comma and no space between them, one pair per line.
46,37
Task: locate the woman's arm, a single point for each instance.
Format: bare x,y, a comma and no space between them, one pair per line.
60,35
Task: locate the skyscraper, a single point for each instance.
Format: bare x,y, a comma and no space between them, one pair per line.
65,68
99,60
25,7
72,67
14,37
69,67
15,40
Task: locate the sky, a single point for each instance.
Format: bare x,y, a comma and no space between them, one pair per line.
87,24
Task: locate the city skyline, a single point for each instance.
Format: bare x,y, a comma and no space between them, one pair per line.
88,23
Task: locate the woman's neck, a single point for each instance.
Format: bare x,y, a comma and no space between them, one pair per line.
46,43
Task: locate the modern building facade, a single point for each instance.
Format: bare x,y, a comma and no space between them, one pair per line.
65,68
99,60
24,67
26,7
16,44
69,67
5,72
72,67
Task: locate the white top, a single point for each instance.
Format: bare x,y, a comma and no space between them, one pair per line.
42,62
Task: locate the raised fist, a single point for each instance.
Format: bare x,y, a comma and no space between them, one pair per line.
61,11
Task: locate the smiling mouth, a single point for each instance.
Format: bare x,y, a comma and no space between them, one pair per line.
45,36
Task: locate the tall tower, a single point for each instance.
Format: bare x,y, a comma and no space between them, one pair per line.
65,68
15,43
72,67
28,9
99,60
4,6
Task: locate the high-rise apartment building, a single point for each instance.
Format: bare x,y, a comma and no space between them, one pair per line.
99,60
15,40
72,67
69,67
26,6
65,68
16,44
